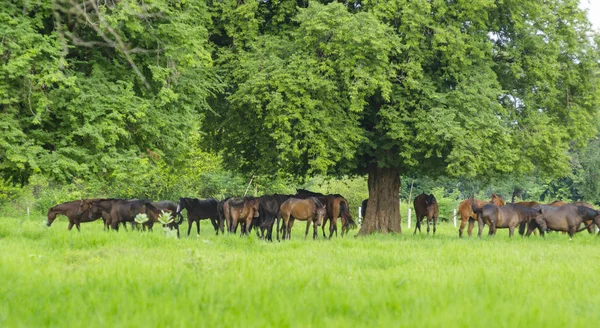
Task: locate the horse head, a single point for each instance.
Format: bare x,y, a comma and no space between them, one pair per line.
497,200
321,211
51,216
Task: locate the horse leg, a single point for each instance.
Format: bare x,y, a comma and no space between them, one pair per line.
289,228
198,226
190,222
511,231
307,227
428,225
471,225
323,227
417,225
315,234
77,226
332,227
70,226
434,224
463,222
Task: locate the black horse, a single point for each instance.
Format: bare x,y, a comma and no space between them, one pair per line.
199,209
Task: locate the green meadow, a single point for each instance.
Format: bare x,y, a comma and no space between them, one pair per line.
52,277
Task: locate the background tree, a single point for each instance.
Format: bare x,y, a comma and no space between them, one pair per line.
403,87
87,87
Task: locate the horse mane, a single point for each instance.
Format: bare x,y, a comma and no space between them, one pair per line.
308,192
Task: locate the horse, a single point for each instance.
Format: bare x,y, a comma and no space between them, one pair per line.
171,208
244,210
75,217
308,209
122,210
466,211
221,212
363,208
425,206
337,207
199,209
557,203
524,225
567,217
506,216
268,211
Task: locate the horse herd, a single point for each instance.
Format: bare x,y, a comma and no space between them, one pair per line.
248,212
556,216
262,212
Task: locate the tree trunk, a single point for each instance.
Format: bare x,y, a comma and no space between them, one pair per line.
383,210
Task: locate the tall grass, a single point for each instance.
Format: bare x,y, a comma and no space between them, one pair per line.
52,277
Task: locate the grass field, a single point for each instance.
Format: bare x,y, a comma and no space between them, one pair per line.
51,277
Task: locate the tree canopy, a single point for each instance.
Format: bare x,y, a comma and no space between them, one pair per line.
465,89
461,89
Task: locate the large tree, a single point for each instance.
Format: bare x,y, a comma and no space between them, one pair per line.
384,88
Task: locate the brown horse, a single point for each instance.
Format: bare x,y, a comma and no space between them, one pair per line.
466,211
71,211
337,207
506,216
588,224
242,210
566,218
122,210
425,206
308,209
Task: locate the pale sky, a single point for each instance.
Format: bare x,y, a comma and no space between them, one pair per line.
593,7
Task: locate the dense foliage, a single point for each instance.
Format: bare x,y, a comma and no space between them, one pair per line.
163,98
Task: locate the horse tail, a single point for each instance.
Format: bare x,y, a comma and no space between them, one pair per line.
474,207
586,226
346,217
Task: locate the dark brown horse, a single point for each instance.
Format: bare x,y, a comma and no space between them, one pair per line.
268,211
199,209
75,217
567,218
506,216
169,207
337,207
241,210
122,210
308,209
466,211
425,206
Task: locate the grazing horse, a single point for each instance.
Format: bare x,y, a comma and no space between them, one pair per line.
523,226
425,206
122,210
171,208
567,218
268,211
506,216
73,214
466,211
199,209
308,209
244,210
337,207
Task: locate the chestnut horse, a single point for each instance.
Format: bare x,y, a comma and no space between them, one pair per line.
241,210
337,207
466,211
425,206
308,209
